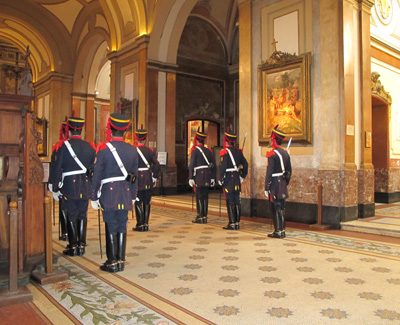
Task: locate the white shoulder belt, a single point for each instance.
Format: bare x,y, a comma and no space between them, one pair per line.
73,172
282,165
205,158
234,169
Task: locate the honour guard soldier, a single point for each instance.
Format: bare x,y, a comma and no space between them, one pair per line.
148,171
279,170
201,175
62,213
114,188
71,179
234,168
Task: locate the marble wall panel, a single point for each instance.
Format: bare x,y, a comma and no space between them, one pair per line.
339,187
332,187
169,177
366,186
350,181
381,180
394,179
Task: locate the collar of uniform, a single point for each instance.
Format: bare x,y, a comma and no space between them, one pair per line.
117,139
140,145
76,137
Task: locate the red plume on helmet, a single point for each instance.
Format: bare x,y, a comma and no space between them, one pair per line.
64,130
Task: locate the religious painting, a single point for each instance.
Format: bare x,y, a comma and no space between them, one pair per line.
284,97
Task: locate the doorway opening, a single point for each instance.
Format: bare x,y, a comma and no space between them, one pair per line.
380,149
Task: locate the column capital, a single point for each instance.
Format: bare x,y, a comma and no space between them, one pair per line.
368,4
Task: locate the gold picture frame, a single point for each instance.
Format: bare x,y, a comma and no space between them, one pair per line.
41,127
284,83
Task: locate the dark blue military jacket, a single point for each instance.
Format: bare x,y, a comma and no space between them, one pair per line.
275,182
116,195
231,178
202,176
54,154
75,187
145,175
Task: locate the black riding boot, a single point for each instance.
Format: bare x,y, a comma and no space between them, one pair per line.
111,248
146,208
121,243
72,247
283,223
62,217
278,225
231,216
205,210
199,205
238,211
139,216
82,226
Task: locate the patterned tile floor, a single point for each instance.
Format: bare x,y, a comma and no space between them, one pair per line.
184,273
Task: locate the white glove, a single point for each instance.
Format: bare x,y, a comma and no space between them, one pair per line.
50,187
241,180
212,182
266,194
95,204
57,195
220,182
191,182
154,181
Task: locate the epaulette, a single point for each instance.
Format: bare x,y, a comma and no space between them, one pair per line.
270,153
240,149
192,148
223,152
93,145
152,149
101,146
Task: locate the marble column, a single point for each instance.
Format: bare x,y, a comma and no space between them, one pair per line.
366,172
245,97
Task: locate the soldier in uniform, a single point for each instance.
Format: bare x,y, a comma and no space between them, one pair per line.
279,170
62,213
114,189
201,175
148,171
234,168
75,161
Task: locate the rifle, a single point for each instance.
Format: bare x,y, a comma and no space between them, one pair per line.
98,217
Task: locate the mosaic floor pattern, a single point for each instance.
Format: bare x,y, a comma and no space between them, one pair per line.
185,273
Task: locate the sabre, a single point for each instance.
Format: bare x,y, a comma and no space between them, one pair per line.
244,140
101,250
289,143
